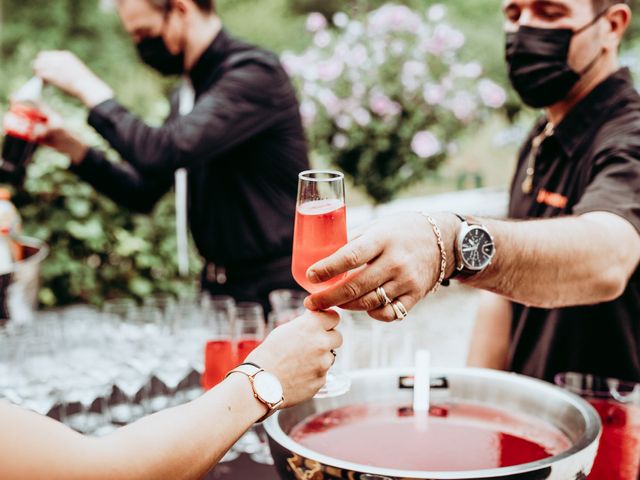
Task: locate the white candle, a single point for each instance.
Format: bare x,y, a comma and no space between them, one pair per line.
421,384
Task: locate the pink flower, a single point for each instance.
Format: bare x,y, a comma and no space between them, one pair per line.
491,94
340,141
291,63
463,106
425,144
362,117
316,22
330,70
308,112
344,122
322,39
433,94
383,106
394,18
359,55
330,102
467,70
436,12
445,38
340,20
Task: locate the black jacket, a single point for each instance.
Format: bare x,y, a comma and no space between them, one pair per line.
243,146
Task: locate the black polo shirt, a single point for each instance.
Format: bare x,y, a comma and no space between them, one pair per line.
590,163
243,145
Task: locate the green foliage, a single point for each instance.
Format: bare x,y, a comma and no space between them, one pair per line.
98,249
269,23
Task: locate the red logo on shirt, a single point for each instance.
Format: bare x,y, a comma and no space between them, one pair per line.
552,199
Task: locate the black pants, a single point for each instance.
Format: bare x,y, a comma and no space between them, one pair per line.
251,284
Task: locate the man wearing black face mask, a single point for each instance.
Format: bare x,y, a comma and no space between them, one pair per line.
563,272
234,128
583,156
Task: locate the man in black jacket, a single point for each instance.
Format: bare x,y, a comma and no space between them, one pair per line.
234,127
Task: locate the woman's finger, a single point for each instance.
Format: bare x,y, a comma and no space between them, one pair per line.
335,339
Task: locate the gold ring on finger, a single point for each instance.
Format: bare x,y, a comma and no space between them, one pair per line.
383,297
402,308
399,310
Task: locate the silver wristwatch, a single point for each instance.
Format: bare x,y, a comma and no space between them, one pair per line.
474,248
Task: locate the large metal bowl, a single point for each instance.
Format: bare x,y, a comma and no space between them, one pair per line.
19,289
508,392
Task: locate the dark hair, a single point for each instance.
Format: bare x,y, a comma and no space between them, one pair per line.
207,6
602,5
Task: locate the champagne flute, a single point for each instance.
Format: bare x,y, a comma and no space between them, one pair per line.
320,230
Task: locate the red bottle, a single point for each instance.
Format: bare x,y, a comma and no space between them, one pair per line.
23,124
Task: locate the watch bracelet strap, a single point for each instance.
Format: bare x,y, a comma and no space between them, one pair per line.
271,409
238,369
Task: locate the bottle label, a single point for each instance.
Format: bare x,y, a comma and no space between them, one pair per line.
25,122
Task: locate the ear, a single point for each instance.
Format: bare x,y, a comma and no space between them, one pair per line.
618,18
182,6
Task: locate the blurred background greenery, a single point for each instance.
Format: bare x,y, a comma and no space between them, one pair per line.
99,250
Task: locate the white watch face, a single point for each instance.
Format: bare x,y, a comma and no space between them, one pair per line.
267,387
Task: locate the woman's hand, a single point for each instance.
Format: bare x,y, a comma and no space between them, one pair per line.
399,254
299,354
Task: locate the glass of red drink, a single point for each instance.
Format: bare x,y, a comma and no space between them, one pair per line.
320,230
219,355
618,404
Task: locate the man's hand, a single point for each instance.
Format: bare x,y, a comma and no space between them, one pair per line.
399,254
59,138
299,354
67,72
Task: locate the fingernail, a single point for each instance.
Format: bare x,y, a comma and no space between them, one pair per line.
308,303
312,276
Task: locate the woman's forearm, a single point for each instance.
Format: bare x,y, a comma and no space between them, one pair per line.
180,443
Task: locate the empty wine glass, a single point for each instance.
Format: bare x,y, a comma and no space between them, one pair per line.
286,305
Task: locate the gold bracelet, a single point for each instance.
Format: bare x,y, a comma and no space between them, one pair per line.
443,252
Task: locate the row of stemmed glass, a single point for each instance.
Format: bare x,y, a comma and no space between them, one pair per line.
118,364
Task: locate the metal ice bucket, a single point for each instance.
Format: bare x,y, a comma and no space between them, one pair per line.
19,289
504,391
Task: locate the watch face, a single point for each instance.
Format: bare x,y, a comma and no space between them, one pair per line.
477,248
267,387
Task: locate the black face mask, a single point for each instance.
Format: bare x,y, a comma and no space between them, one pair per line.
155,53
537,61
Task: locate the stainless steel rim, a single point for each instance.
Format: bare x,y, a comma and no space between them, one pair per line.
272,426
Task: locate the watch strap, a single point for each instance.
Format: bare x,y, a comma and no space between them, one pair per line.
248,369
251,370
456,272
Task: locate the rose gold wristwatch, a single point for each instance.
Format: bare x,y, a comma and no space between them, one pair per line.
266,387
